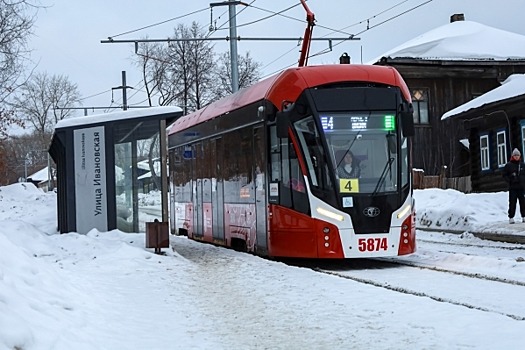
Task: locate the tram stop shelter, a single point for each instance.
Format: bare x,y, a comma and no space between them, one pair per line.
112,169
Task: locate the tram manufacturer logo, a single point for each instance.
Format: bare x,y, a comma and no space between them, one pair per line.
371,212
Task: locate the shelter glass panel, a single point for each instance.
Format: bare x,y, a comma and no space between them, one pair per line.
138,174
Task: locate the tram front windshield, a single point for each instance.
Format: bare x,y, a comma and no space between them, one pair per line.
368,154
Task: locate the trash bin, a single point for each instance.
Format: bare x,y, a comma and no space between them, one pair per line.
157,235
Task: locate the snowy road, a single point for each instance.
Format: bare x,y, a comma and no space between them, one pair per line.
478,278
449,269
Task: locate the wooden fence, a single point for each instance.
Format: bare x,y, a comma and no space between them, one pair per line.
422,181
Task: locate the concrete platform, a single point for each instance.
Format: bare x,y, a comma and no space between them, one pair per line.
500,231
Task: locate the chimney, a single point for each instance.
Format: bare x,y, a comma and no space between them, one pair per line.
457,17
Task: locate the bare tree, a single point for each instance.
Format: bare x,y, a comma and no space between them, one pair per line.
248,73
16,22
202,65
24,155
180,72
40,96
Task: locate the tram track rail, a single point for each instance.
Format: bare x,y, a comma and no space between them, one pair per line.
470,245
358,271
459,273
408,291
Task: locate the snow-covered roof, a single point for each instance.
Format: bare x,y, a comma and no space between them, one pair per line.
41,175
121,115
462,40
513,86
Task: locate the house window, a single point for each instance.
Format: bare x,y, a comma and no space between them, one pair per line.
502,148
484,152
420,103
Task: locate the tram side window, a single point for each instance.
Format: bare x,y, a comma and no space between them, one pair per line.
239,186
181,173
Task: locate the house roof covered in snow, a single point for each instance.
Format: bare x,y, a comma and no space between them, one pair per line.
41,175
513,86
462,40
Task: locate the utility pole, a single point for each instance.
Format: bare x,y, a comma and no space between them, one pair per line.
233,40
124,91
124,99
233,47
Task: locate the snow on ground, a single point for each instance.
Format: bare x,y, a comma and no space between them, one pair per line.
104,290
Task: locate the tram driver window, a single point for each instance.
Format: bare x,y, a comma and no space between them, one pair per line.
311,144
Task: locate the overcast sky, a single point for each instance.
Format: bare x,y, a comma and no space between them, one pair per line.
68,33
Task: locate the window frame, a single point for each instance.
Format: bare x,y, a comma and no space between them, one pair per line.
501,148
484,152
522,128
416,103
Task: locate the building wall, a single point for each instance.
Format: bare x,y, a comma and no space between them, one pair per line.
449,85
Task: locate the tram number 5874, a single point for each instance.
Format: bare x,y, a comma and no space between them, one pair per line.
372,244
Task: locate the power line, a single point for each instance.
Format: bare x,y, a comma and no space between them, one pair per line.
376,15
156,24
361,32
322,52
94,95
273,14
222,25
396,16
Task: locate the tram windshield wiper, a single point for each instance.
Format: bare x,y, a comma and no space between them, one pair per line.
388,166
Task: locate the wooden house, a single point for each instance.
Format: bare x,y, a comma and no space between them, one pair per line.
495,122
447,67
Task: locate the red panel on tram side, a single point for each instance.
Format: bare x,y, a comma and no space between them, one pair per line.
407,241
329,241
240,223
293,234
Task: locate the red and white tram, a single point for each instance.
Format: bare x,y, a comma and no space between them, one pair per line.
257,170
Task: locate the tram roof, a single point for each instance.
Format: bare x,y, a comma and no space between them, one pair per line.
288,85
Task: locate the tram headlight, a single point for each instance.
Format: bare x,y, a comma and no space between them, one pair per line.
403,211
326,230
330,214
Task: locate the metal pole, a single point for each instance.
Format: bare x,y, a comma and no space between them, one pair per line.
49,174
124,94
233,47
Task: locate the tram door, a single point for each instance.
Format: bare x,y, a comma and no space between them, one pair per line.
217,193
260,189
207,186
197,167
